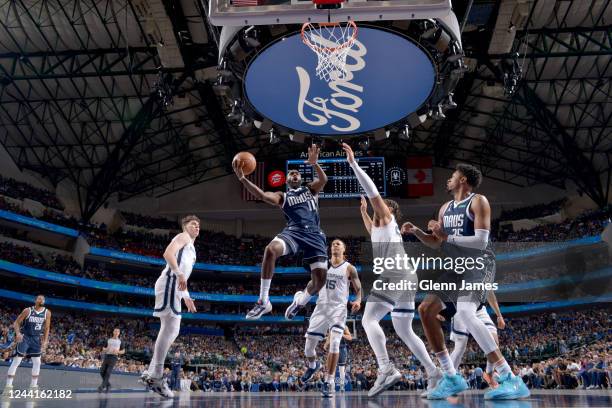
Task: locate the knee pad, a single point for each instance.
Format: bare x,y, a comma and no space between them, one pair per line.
35,366
311,346
334,342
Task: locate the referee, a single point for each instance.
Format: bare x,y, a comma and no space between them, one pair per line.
112,352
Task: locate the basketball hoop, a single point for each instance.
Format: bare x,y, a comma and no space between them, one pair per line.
332,43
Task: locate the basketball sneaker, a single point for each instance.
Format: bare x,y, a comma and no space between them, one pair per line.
342,387
294,307
510,387
490,379
310,372
384,380
447,386
328,389
259,310
145,379
432,382
160,386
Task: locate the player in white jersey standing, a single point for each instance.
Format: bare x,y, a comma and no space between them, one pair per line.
387,243
330,314
170,288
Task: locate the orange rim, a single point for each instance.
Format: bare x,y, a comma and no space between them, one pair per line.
350,41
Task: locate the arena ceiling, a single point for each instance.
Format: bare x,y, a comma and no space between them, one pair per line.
118,97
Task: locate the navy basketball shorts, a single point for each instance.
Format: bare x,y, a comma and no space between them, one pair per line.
313,244
29,347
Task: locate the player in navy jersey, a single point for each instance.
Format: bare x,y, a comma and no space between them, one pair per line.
35,322
300,206
462,231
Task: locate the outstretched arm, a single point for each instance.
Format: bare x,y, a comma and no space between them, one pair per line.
429,240
313,156
273,198
378,204
367,221
45,339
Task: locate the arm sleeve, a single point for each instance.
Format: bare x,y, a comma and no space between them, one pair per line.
366,182
477,241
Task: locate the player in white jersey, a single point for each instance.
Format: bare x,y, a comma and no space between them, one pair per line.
460,334
170,288
387,243
330,314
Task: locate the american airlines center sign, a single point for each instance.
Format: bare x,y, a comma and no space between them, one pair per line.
388,78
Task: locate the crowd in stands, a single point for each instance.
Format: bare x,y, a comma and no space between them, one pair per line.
147,221
567,349
532,211
19,190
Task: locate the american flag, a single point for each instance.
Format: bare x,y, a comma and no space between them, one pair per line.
246,3
257,178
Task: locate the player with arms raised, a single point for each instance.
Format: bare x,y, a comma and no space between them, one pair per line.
387,243
300,205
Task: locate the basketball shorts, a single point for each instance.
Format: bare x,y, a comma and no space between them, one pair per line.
326,317
459,328
474,275
393,297
313,244
167,300
29,347
343,357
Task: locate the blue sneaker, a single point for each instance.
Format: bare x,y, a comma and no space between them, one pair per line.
328,390
447,386
310,373
259,310
510,387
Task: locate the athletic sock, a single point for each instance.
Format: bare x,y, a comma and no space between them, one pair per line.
489,367
302,300
264,290
502,367
446,363
34,382
9,381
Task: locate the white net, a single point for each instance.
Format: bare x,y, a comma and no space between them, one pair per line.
332,43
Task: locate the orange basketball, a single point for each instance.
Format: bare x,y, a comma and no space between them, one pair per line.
247,161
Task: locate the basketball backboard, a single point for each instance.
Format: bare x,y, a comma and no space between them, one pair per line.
272,12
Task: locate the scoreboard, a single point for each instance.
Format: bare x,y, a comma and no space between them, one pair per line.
342,182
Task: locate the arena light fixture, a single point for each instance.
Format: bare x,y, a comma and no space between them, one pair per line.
274,139
405,133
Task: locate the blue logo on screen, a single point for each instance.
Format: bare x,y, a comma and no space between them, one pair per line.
388,78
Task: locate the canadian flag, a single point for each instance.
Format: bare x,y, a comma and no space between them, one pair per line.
419,176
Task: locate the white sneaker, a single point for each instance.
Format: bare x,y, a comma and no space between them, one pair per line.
385,379
33,388
7,390
294,307
145,379
432,382
160,386
258,310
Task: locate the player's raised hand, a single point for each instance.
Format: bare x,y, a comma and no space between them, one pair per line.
408,228
437,230
313,154
355,306
350,155
190,305
237,166
364,204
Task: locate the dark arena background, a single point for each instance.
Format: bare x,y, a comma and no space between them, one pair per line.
118,118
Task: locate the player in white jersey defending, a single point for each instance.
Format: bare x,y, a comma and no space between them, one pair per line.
460,335
170,288
387,243
330,314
